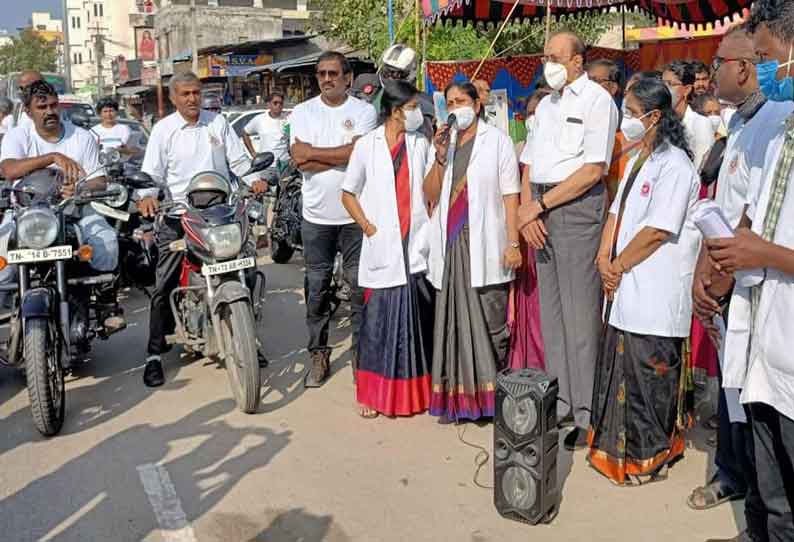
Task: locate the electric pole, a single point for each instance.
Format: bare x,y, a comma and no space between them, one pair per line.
67,53
194,36
99,52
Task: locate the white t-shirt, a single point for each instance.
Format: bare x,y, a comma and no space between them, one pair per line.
111,138
655,296
699,134
272,134
323,126
574,128
744,156
76,143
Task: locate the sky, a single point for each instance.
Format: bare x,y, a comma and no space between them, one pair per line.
16,13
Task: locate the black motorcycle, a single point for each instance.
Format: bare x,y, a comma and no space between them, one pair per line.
60,305
285,228
220,291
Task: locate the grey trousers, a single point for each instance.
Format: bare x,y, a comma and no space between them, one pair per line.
570,298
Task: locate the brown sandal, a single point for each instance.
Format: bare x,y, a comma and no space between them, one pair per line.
366,412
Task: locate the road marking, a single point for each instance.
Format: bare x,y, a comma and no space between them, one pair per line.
167,509
74,518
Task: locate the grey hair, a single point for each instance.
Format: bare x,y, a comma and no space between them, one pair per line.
181,78
6,106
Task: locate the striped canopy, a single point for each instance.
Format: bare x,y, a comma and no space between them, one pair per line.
683,12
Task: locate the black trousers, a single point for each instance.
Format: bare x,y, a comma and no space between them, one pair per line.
774,458
169,265
320,244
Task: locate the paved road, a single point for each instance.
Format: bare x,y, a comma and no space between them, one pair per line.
180,464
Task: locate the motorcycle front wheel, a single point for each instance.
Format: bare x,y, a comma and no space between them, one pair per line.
238,331
46,383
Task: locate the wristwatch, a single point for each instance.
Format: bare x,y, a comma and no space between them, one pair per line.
542,204
515,244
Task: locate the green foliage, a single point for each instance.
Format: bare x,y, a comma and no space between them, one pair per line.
28,52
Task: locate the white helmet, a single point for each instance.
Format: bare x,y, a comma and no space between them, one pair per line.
398,62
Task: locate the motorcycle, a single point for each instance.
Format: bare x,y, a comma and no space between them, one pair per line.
285,230
137,249
220,291
60,304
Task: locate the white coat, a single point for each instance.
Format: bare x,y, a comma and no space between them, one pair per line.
492,174
370,176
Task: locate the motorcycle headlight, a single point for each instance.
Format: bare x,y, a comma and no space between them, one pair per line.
225,241
37,228
121,199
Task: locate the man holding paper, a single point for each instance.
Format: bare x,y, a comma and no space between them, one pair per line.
757,121
757,346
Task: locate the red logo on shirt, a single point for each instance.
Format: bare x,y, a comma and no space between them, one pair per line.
645,191
734,164
349,124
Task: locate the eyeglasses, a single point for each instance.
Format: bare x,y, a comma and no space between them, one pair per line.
328,74
277,103
718,61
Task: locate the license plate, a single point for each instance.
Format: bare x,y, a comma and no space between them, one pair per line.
30,255
227,267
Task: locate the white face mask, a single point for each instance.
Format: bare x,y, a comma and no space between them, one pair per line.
413,119
716,122
530,124
556,75
632,128
464,116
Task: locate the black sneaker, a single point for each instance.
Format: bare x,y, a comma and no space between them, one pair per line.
153,375
576,439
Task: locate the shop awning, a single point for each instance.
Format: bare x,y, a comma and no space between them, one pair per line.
302,62
131,91
682,12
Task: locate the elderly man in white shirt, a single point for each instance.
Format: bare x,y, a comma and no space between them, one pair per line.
561,215
755,124
182,144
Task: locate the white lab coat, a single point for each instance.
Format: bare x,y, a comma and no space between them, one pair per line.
492,174
370,175
766,375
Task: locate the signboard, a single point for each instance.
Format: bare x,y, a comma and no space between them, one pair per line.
146,7
240,64
150,76
120,72
145,45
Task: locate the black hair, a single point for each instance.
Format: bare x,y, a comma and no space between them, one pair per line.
653,94
337,57
275,94
396,93
700,102
685,71
614,72
37,89
777,15
699,67
465,87
107,101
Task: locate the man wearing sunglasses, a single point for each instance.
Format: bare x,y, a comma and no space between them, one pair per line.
322,132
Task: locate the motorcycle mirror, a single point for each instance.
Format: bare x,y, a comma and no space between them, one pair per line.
140,180
261,162
108,157
80,119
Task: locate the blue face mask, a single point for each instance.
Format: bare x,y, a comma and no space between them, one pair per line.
774,90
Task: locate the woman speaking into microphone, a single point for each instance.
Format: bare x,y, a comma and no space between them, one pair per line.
382,191
473,187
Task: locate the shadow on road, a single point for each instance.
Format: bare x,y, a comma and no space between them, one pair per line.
98,496
297,525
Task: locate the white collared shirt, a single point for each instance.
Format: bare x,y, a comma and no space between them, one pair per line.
370,176
272,134
699,134
323,126
745,152
766,375
177,151
492,174
655,296
572,129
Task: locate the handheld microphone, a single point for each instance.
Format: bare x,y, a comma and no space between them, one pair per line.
451,120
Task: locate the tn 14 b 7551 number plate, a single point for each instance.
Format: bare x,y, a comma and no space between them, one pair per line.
227,267
30,255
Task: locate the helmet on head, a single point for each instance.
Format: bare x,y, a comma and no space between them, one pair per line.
398,62
211,102
207,188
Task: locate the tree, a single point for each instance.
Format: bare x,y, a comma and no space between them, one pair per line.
29,51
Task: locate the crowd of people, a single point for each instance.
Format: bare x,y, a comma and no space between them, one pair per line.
577,252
